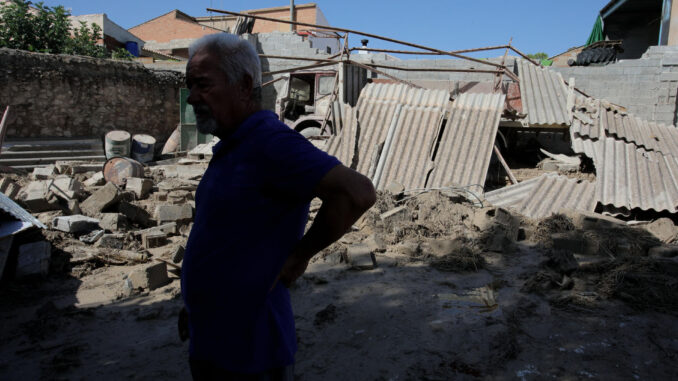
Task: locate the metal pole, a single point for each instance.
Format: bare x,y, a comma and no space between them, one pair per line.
292,15
503,164
361,34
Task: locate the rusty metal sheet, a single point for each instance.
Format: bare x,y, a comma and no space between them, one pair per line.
546,195
544,96
467,140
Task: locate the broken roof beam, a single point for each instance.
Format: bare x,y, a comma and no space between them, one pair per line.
427,53
331,28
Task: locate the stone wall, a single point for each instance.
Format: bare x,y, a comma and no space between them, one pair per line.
72,96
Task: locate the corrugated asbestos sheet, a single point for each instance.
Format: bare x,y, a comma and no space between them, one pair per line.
467,141
546,195
629,177
390,134
544,95
601,119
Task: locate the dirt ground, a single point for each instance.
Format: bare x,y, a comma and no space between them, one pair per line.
459,293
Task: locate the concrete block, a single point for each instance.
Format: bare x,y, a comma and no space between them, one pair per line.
152,240
360,256
150,276
103,198
169,228
37,198
178,254
160,196
9,188
668,77
134,213
43,173
140,187
75,224
65,187
112,241
113,221
33,259
663,229
173,213
96,179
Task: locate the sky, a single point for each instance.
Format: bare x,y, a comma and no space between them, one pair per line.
548,26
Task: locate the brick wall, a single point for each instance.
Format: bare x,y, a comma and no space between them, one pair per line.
171,26
71,96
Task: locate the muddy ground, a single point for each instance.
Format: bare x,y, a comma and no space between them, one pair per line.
460,292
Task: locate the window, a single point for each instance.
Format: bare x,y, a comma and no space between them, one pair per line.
325,85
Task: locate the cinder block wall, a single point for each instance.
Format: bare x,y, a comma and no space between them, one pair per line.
647,87
71,96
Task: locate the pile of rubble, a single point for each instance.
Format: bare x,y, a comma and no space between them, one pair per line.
93,222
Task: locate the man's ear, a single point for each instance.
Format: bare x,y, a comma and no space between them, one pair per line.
246,87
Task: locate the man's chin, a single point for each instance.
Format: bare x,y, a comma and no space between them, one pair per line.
207,128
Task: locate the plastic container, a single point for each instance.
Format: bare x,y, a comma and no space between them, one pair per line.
117,143
143,148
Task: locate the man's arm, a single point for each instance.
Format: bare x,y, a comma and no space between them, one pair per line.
346,195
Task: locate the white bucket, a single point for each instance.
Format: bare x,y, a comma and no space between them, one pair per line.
117,143
143,147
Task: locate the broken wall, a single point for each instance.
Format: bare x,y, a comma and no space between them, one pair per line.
73,96
647,87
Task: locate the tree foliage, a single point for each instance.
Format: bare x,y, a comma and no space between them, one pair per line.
539,56
47,30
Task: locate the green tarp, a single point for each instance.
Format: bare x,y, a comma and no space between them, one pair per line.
596,33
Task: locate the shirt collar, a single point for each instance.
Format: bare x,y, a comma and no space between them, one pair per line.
247,126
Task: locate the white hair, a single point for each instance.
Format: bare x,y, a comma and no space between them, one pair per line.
237,57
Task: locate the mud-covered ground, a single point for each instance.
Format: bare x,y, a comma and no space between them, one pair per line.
460,292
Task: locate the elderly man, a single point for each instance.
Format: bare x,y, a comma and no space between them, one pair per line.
248,243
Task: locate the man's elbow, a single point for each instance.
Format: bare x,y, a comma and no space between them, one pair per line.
364,194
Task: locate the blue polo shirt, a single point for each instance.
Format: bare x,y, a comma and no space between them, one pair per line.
251,210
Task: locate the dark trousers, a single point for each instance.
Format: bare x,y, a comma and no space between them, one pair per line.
206,371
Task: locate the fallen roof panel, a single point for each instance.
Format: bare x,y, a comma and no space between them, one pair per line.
18,212
629,177
544,95
546,195
467,141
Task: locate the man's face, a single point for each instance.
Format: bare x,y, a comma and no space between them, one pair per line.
217,104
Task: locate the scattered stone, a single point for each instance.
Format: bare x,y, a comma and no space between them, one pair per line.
66,188
75,224
153,239
134,213
393,212
113,221
178,254
663,229
43,173
141,187
160,196
173,213
92,237
74,207
96,179
375,243
36,197
178,196
33,259
169,228
112,241
395,189
149,276
589,220
103,198
9,188
361,257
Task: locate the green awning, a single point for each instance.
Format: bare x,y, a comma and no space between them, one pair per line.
597,32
